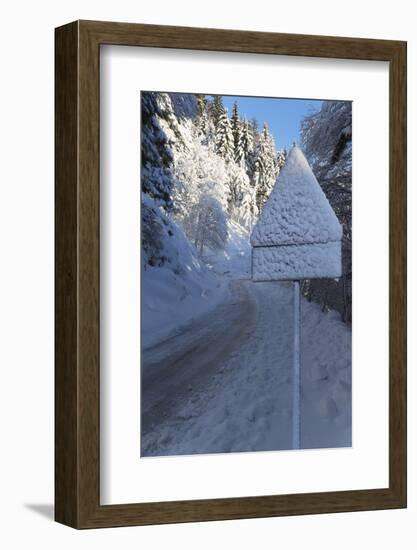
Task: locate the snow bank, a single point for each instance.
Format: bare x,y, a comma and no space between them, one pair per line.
172,300
184,287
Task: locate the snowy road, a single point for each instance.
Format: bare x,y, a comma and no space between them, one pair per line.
187,362
224,383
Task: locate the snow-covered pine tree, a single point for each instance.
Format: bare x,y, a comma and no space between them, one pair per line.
201,105
245,145
184,106
224,138
266,169
215,109
281,158
161,138
203,126
201,120
254,127
274,159
235,125
157,147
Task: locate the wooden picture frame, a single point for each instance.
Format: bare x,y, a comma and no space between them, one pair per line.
77,373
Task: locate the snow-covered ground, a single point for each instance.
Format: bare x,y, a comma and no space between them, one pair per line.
172,300
218,379
175,296
235,260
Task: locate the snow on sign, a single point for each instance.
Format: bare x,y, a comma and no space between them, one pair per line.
298,235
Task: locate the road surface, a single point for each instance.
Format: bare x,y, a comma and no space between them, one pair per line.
187,361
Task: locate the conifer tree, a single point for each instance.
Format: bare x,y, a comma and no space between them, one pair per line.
235,124
203,125
245,145
201,105
254,127
201,119
157,147
224,138
281,158
216,109
266,169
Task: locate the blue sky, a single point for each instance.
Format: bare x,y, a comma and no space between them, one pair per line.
282,115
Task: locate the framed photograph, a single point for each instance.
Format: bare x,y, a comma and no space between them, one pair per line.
230,274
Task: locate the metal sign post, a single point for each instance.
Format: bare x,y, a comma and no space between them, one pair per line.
296,383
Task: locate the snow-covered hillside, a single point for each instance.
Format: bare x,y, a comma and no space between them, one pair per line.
185,288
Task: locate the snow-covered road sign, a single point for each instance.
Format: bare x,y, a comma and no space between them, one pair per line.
297,235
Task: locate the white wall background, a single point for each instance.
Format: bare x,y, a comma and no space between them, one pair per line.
26,273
